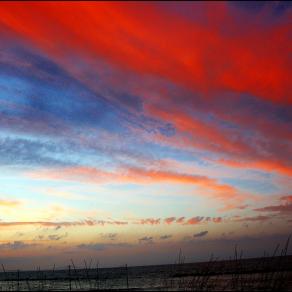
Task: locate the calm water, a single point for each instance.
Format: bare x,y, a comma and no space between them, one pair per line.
197,276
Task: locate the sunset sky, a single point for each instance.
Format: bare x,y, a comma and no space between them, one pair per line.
131,130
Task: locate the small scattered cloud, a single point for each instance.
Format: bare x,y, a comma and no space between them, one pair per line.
194,220
149,221
242,207
164,237
110,236
169,220
94,246
51,237
56,237
180,220
146,240
217,219
225,234
201,234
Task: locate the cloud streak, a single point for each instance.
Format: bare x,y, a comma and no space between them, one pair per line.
200,234
135,175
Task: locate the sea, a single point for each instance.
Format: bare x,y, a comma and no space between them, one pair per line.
260,274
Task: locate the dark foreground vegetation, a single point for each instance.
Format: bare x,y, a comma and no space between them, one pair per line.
268,273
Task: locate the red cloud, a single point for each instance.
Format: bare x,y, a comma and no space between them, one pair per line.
149,221
221,54
92,222
180,220
231,143
169,220
148,38
287,199
194,220
217,219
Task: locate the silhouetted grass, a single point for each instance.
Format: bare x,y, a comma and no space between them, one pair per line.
268,273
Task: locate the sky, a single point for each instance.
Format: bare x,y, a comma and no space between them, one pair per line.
129,131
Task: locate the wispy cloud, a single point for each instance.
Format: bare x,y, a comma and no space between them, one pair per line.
284,208
58,225
15,245
9,203
254,218
102,246
136,175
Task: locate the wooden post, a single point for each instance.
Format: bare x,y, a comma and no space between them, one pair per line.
17,280
69,269
97,276
53,280
127,277
86,271
7,282
27,283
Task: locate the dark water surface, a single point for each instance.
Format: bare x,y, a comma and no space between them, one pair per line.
268,274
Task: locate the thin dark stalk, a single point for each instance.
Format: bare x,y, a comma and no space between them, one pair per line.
127,277
69,274
18,280
77,277
97,275
27,283
86,271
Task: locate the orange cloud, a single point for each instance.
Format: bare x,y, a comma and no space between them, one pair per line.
265,165
211,186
